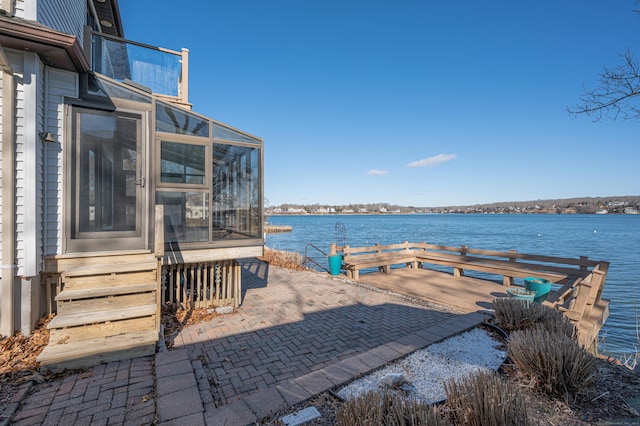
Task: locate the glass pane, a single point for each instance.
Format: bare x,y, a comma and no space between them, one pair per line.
159,70
106,194
182,163
186,216
173,120
220,132
235,192
119,92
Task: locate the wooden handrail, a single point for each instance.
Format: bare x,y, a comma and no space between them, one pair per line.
583,262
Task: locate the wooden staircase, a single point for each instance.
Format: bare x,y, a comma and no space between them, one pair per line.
108,310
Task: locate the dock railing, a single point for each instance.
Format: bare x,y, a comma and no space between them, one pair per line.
581,279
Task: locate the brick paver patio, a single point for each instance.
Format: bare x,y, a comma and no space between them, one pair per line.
296,334
292,324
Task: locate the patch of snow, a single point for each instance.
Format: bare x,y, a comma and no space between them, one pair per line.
427,369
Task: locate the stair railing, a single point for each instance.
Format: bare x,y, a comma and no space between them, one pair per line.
312,259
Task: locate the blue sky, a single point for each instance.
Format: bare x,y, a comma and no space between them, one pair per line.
418,103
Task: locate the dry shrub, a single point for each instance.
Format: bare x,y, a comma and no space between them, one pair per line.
555,363
484,399
284,259
386,408
514,314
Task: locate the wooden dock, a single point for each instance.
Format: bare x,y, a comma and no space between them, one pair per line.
463,294
407,269
273,229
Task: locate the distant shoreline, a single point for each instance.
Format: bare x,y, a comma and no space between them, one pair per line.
440,213
629,204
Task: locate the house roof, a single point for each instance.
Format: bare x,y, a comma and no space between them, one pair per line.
108,13
54,48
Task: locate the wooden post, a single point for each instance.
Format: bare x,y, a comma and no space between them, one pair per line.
158,242
184,77
332,249
459,272
158,248
508,281
583,263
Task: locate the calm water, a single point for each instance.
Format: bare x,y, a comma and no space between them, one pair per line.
614,238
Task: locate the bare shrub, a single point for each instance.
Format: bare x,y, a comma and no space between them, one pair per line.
556,364
284,259
514,314
484,399
386,408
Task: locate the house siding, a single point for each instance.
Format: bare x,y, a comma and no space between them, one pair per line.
55,14
59,85
29,162
20,9
1,133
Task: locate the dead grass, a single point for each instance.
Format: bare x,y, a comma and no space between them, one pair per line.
483,399
555,364
386,408
284,259
514,314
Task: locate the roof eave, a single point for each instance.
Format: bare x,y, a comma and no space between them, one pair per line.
55,49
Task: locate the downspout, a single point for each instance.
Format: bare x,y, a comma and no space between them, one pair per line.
7,322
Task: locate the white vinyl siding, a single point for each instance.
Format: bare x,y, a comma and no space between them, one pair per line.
68,16
1,133
17,64
59,84
20,9
29,163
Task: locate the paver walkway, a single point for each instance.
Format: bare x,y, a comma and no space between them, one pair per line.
296,334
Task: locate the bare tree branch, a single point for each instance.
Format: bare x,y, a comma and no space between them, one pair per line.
617,95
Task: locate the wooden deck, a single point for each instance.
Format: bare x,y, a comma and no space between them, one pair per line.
464,294
407,268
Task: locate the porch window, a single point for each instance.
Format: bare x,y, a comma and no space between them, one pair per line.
182,163
174,120
186,216
235,191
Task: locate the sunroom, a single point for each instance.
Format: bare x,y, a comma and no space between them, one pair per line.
129,150
158,205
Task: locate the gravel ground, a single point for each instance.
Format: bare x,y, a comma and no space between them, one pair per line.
426,370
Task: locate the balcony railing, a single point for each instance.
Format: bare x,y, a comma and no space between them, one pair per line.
163,71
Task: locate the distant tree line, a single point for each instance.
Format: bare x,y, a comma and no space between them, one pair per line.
578,205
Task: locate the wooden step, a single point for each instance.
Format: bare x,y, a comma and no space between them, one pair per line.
87,293
61,263
111,280
90,306
84,318
113,268
87,353
103,329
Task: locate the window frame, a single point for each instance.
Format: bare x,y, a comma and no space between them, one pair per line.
186,140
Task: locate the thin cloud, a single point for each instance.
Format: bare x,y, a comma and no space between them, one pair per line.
376,172
433,161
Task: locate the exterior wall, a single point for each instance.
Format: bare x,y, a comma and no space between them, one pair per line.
59,84
29,164
29,205
20,8
55,14
39,107
1,133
